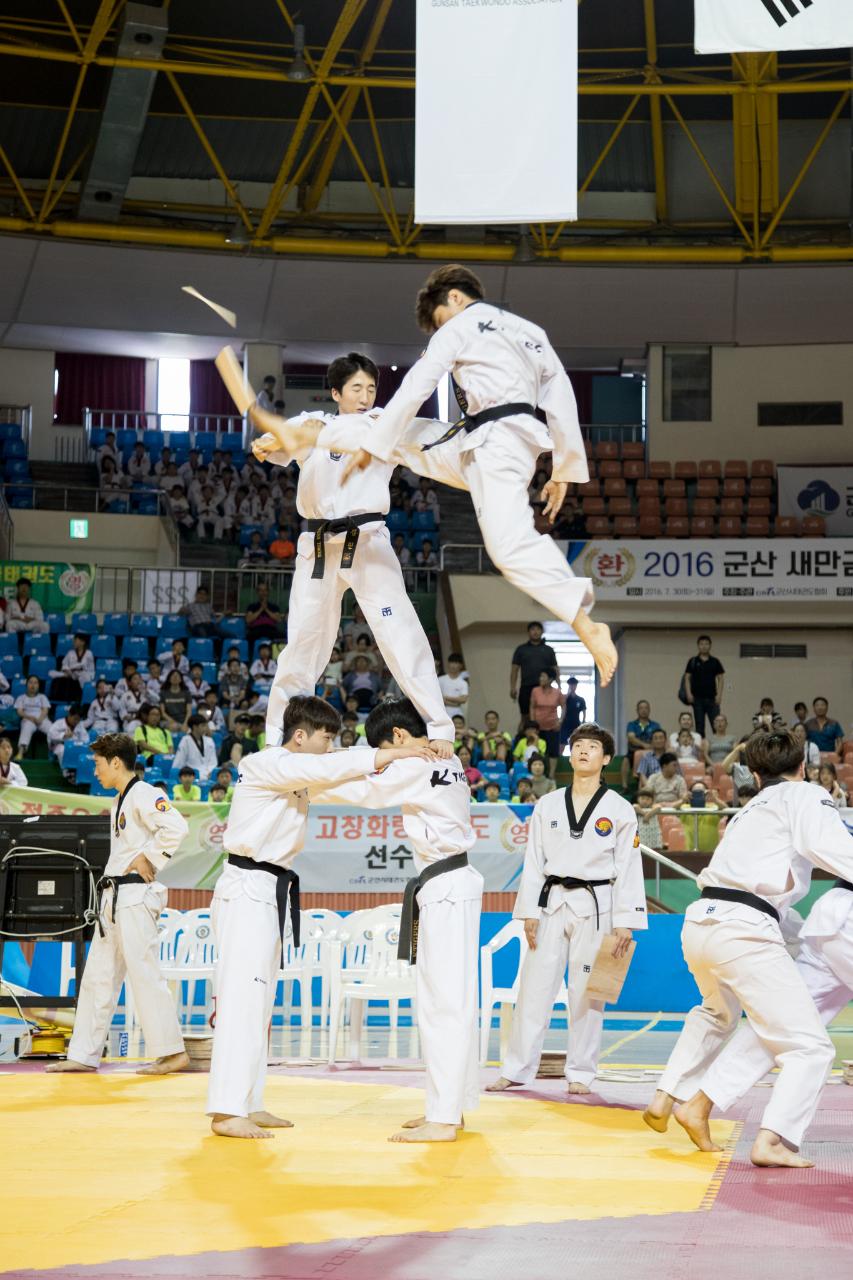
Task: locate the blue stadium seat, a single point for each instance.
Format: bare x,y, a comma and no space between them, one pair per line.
41,666
153,439
242,645
57,623
19,499
233,627
12,665
126,438
59,710
256,648
104,646
493,770
88,693
8,645
397,521
14,448
19,686
200,649
116,624
417,540
63,645
519,770
210,672
73,755
423,522
38,644
246,531
135,647
143,624
204,440
232,442
108,669
87,623
95,789
173,627
97,437
10,431
238,460
84,774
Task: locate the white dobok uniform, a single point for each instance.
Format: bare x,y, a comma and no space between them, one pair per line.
142,821
189,755
376,581
31,705
435,800
57,741
572,925
103,716
825,963
267,822
496,358
13,775
29,618
737,953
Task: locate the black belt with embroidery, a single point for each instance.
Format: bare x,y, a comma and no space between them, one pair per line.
741,895
349,525
572,882
471,421
407,947
114,883
286,882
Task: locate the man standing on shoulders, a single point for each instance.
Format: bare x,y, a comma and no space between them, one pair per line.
703,684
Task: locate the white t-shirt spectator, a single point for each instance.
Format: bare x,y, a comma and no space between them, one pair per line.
673,740
455,687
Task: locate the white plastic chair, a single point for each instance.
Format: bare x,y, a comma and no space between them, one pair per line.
320,928
372,972
194,961
503,996
170,924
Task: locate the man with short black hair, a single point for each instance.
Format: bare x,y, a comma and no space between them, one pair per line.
640,729
667,785
454,685
575,709
528,660
826,734
23,613
703,684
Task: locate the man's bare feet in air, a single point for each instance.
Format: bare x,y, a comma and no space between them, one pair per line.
426,1133
694,1116
502,1083
769,1152
420,1121
266,1120
575,1086
238,1127
595,636
165,1066
657,1113
68,1064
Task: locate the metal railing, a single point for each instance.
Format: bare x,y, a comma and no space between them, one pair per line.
661,860
621,432
464,557
139,420
87,498
21,413
7,531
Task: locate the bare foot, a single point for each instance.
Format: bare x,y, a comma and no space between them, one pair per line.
502,1083
426,1133
693,1119
238,1127
164,1066
595,636
68,1064
575,1086
770,1152
657,1113
420,1121
267,1120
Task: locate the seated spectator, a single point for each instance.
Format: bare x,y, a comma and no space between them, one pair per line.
667,786
491,795
283,548
401,551
331,678
475,779
640,730
826,734
139,463
733,764
174,659
196,684
197,748
539,780
685,721
237,743
828,779
186,788
234,684
460,730
257,731
166,460
529,743
767,717
225,779
201,620
209,708
108,450
454,685
492,731
254,554
217,794
190,467
112,488
265,514
232,652
497,759
131,702
721,741
524,792
364,647
801,714
11,774
811,751
264,667
354,627
348,738
264,621
68,728
649,762
77,670
570,523
362,683
129,668
685,747
103,713
23,613
154,680
175,703
700,797
648,827
153,739
6,699
547,706
425,498
426,557
179,508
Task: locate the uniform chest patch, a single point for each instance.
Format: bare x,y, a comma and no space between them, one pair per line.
162,804
122,822
603,827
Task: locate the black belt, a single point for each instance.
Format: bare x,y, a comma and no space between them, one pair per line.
471,421
349,525
286,882
114,883
571,882
740,895
843,884
407,947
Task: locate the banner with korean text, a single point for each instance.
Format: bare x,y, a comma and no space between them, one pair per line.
780,568
496,94
818,491
743,26
59,588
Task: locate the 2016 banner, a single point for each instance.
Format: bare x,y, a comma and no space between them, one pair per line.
743,26
59,588
496,111
818,491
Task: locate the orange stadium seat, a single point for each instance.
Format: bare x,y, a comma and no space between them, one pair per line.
786,527
757,526
707,487
659,470
692,771
685,470
674,835
736,468
830,757
734,488
675,507
674,489
702,527
677,527
725,788
633,450
704,507
731,507
606,449
592,468
649,526
764,467
598,527
814,527
758,506
593,506
590,489
633,469
729,527
609,468
710,469
589,448
626,527
615,488
762,487
620,506
648,489
648,507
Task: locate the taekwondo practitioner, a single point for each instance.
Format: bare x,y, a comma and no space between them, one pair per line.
506,369
266,829
145,832
346,543
440,925
735,949
582,879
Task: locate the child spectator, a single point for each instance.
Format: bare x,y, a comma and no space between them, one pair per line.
401,551
23,613
103,710
685,721
129,668
77,670
180,509
492,794
130,703
208,515
233,653
139,464
225,780
282,548
108,450
767,717
647,821
530,743
197,749
212,712
154,680
196,684
68,728
255,553
112,488
264,667
828,779
524,792
542,785
165,461
476,781
426,557
685,746
186,788
347,738
425,498
217,794
174,659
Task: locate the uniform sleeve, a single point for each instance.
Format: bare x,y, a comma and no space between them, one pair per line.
296,770
819,833
284,457
345,433
181,754
629,889
400,782
557,399
165,826
533,873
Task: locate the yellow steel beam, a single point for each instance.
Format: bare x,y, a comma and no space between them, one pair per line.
755,119
22,195
383,167
706,165
806,165
63,139
598,162
390,218
71,27
69,177
658,141
210,152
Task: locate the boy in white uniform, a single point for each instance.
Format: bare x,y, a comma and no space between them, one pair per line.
146,831
34,710
266,829
735,949
443,903
347,544
582,879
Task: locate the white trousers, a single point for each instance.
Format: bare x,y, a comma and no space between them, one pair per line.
130,948
497,474
28,731
33,628
315,616
740,967
563,938
826,967
248,944
448,953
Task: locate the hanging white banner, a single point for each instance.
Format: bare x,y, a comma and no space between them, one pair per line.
748,26
496,96
818,491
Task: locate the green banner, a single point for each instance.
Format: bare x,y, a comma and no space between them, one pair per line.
59,588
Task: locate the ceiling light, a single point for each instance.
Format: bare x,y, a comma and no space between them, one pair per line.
299,69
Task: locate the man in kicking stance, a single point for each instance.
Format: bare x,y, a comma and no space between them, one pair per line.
146,831
266,830
440,926
582,879
735,950
347,544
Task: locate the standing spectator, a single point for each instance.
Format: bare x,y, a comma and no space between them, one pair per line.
826,734
266,395
801,714
78,670
527,661
103,711
547,706
767,717
201,620
667,786
263,620
175,703
11,774
648,827
197,749
454,685
34,711
574,712
139,463
539,780
640,730
721,741
68,728
23,613
811,751
703,684
151,738
649,762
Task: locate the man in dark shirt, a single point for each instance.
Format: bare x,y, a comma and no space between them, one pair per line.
574,712
239,737
527,662
825,733
703,684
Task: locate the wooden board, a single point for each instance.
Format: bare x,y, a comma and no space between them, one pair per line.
608,974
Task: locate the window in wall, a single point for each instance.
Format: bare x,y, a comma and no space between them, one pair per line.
173,394
687,384
573,660
829,413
